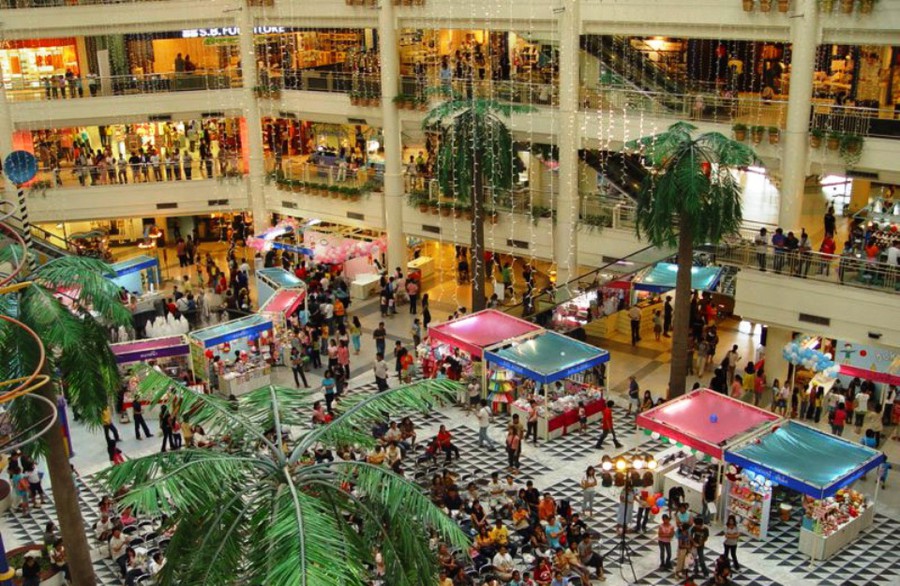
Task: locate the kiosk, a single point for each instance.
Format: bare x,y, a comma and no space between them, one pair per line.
278,308
245,349
270,280
704,422
139,274
820,466
171,353
549,359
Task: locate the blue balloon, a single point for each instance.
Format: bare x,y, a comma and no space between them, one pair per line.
661,502
713,418
20,167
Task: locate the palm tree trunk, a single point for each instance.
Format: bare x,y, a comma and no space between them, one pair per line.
478,268
65,498
682,311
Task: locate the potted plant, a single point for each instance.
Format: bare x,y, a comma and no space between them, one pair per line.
267,91
774,135
492,215
446,209
354,193
740,131
866,6
354,98
784,5
422,103
458,209
756,134
765,5
403,101
815,137
826,6
434,206
344,192
847,6
334,191
833,142
297,186
851,148
748,5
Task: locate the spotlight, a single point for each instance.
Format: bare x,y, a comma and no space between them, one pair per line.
651,463
606,463
621,464
637,463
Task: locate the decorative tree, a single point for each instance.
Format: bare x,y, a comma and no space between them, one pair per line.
68,303
691,196
475,150
257,508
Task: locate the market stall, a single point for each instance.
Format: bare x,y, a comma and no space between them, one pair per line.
661,278
245,348
558,364
280,306
171,353
471,334
270,280
818,465
139,274
704,422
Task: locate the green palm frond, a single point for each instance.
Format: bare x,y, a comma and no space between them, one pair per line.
357,415
88,281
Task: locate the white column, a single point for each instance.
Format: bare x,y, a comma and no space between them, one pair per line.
256,164
794,160
565,242
776,366
393,150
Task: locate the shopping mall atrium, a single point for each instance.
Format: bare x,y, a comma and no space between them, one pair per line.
433,292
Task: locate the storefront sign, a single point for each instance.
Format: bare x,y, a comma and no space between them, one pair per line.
230,31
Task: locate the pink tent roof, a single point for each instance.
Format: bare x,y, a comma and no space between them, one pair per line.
477,331
689,420
284,301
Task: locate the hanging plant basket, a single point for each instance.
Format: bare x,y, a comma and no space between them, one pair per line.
833,142
756,134
765,5
435,208
446,210
851,148
784,5
493,216
740,132
774,135
847,6
424,207
748,5
815,138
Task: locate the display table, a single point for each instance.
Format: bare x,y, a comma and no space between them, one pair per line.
667,461
364,286
822,547
559,424
240,383
693,489
423,264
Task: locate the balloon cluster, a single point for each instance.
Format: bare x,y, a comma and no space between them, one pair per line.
656,502
347,249
810,358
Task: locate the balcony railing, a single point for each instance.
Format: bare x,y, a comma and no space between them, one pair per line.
55,3
850,269
306,176
60,88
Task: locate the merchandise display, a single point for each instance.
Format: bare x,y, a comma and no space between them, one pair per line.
216,348
171,354
750,502
138,275
244,376
559,410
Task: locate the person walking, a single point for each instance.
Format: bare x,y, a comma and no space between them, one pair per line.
165,426
355,331
137,412
699,536
381,372
108,426
328,384
380,336
412,290
343,358
668,314
485,417
634,316
297,367
426,312
513,448
607,427
732,536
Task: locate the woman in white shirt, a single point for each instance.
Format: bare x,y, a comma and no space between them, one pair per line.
589,488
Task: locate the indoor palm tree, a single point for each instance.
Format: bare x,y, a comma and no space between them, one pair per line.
257,508
476,149
69,303
691,196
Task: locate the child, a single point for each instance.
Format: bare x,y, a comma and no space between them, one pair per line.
582,417
657,324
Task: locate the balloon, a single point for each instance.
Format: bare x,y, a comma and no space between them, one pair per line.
660,502
654,510
679,445
209,354
647,432
713,418
655,435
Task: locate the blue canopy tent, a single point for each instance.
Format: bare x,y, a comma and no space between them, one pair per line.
272,279
236,333
128,272
661,278
548,357
807,460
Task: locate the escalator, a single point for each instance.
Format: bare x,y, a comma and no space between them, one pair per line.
625,63
622,171
44,245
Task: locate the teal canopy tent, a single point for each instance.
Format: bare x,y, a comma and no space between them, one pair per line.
548,357
661,278
807,460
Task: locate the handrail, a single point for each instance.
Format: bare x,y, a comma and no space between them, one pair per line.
47,237
9,4
851,269
58,87
108,175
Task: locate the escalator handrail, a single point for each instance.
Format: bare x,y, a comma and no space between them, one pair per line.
47,237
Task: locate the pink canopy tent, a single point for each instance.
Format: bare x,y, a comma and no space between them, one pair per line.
284,301
706,420
473,333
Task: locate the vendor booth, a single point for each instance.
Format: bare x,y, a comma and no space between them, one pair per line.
270,280
701,422
470,335
816,464
171,353
139,274
245,348
558,364
661,278
280,306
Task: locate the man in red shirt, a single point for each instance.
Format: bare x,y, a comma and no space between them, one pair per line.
606,425
838,420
